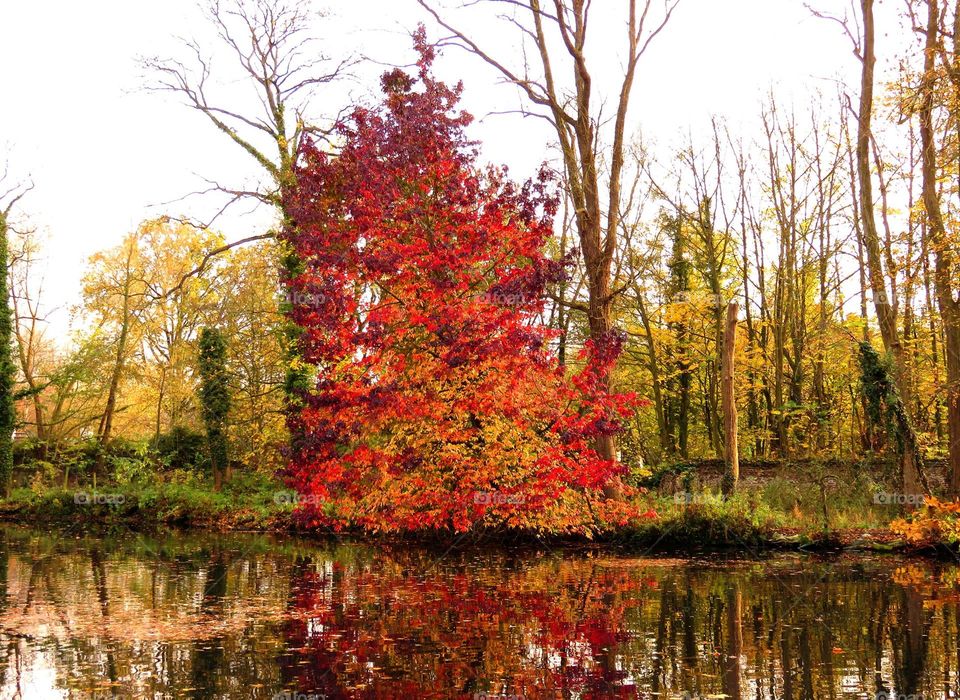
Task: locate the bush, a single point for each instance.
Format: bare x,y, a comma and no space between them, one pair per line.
77,457
45,474
183,449
26,451
936,522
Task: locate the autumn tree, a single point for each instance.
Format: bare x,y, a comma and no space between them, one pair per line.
560,88
249,308
71,391
439,404
177,307
880,269
699,215
28,332
115,297
57,387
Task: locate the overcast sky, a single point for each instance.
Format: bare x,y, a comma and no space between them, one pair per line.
103,154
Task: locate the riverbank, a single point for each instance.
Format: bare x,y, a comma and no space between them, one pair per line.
753,521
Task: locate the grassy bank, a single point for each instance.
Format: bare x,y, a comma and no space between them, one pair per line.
250,502
777,506
747,522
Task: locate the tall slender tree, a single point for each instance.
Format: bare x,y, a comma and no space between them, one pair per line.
115,290
10,195
878,263
944,250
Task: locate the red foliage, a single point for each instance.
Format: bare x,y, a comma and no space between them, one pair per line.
438,403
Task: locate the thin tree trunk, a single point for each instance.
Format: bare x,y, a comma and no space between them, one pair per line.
653,365
731,456
106,420
882,300
8,412
943,263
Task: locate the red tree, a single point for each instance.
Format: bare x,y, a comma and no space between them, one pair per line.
438,401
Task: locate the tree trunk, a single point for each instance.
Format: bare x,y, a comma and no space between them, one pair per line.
106,420
601,306
949,306
882,300
8,412
731,680
730,454
653,364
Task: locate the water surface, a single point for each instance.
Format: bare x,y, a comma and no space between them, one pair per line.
237,616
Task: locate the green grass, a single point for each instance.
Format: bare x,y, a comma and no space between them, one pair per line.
809,498
782,506
711,521
248,501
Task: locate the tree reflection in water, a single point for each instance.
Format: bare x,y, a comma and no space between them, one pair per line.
207,616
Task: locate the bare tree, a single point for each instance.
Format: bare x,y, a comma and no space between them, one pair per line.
277,51
557,32
60,390
29,326
274,46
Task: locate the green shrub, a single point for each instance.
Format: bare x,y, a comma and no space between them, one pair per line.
45,474
182,449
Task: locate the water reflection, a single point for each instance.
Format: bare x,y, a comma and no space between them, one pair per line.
246,616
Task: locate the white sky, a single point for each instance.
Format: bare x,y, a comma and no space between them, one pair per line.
102,153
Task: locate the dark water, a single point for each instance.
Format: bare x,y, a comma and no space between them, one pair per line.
210,616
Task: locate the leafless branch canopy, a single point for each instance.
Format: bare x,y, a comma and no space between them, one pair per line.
274,45
845,21
11,192
558,81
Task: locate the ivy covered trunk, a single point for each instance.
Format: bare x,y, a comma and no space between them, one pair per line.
728,395
886,410
215,399
8,414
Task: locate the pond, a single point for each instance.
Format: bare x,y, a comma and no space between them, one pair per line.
202,615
